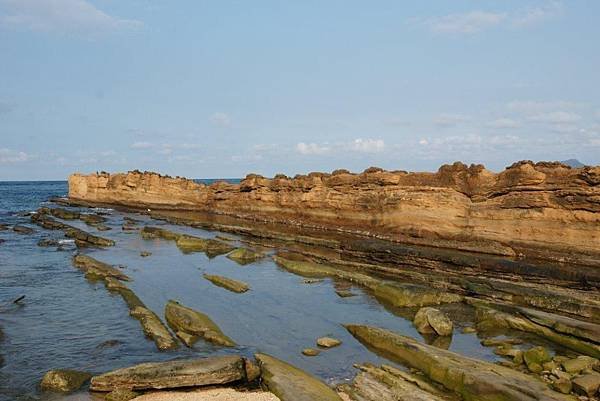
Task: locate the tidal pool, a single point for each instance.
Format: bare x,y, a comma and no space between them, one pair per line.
66,321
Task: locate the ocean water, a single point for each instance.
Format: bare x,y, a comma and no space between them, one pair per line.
66,321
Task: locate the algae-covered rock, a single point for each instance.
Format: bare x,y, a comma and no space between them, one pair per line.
173,374
121,394
64,380
211,247
93,266
404,294
562,385
470,378
292,384
535,357
227,283
430,320
64,213
244,256
149,232
578,364
183,319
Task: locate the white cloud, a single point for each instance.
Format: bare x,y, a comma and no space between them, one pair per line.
141,145
367,145
503,123
221,119
450,120
312,148
535,15
556,117
77,16
12,156
472,22
467,23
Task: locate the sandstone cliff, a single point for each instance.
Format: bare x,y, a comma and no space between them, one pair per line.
546,210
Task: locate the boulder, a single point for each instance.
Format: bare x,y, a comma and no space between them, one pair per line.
430,320
195,324
328,342
578,364
535,357
227,283
292,384
173,374
470,378
64,380
587,384
244,256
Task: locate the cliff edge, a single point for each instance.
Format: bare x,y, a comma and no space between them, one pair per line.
546,210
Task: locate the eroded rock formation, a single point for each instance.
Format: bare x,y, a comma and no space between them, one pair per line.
546,210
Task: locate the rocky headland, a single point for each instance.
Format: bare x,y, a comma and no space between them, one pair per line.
530,210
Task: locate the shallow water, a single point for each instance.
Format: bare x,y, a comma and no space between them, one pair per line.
65,319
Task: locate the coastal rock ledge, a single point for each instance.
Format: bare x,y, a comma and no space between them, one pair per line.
545,210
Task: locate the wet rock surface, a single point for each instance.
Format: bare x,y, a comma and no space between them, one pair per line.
244,256
431,320
95,267
469,378
227,283
190,325
292,384
64,380
173,374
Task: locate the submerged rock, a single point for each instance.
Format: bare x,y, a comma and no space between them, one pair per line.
430,320
489,318
292,384
211,247
470,378
145,254
173,374
195,324
20,229
392,293
63,213
83,238
244,256
3,227
47,242
93,266
310,352
92,219
64,380
227,283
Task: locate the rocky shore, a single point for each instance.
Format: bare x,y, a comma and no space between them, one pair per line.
537,210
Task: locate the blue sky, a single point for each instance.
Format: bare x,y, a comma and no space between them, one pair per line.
224,88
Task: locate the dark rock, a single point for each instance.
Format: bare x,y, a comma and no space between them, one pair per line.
19,229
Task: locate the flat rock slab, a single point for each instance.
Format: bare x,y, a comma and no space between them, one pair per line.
244,256
227,283
189,325
292,384
173,374
472,379
93,266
